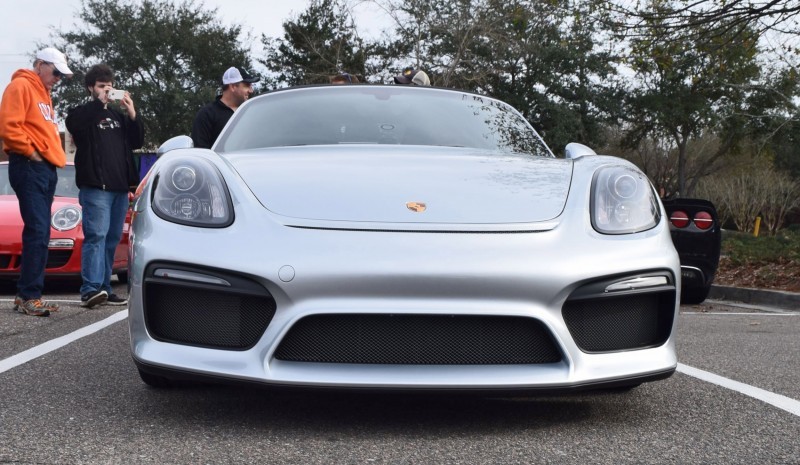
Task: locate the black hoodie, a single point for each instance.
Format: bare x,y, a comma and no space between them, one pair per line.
104,139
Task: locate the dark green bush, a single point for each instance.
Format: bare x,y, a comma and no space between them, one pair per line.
745,249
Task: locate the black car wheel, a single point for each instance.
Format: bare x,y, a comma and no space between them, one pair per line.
155,381
694,295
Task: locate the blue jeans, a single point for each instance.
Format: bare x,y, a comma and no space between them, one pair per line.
35,184
103,218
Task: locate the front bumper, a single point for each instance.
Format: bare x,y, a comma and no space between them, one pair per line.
374,275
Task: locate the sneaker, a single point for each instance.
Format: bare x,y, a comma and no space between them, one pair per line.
93,299
49,306
114,299
35,307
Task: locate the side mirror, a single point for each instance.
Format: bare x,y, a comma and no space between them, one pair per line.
575,150
177,142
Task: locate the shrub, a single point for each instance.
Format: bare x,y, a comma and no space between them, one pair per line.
745,249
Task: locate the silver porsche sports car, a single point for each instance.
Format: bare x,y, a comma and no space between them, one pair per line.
398,237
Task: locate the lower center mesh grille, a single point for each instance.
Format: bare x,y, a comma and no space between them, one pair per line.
418,340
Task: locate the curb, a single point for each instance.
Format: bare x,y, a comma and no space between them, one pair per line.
778,299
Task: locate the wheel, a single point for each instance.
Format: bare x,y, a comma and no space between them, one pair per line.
620,389
122,276
155,381
694,295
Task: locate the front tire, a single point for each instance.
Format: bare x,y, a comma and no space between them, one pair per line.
620,389
122,276
694,295
155,381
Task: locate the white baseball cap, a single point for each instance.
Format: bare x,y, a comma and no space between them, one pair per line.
421,79
58,59
234,75
413,76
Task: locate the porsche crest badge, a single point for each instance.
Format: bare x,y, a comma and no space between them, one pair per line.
416,207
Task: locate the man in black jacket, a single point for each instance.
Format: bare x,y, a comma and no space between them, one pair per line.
237,87
105,172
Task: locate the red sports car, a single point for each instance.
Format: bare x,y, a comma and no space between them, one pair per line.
66,233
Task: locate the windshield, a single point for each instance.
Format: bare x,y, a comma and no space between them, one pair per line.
64,188
380,115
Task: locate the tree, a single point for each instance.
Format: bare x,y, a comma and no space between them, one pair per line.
755,190
775,119
782,198
169,55
713,18
785,145
691,88
540,56
441,37
320,42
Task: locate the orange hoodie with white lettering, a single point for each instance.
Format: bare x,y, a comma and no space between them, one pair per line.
28,121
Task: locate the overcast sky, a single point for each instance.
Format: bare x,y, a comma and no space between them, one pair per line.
30,21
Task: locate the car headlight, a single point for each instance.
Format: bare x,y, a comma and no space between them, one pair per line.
192,192
623,201
66,218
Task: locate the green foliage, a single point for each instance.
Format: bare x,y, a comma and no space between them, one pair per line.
169,55
320,42
777,125
691,85
696,101
746,249
544,57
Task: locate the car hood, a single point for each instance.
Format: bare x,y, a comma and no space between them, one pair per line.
12,219
380,184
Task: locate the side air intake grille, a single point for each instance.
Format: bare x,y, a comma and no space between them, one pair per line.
617,323
230,317
58,258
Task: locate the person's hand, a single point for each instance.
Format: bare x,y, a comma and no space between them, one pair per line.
37,157
127,104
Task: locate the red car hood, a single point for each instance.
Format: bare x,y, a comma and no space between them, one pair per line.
11,220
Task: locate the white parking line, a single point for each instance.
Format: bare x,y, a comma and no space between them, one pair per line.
50,300
59,342
782,402
741,313
777,400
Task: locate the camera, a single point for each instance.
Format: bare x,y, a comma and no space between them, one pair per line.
116,94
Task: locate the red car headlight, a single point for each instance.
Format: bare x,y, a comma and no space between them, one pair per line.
66,218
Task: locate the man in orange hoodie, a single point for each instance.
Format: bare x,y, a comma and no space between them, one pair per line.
29,131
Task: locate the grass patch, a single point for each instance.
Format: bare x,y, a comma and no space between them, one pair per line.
745,249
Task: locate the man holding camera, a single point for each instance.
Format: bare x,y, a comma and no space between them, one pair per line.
105,172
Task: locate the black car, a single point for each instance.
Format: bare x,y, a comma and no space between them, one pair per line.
697,237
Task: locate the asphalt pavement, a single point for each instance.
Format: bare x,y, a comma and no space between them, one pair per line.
84,403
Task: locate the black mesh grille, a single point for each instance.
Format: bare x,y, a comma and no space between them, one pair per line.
608,324
418,340
206,317
5,260
58,258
